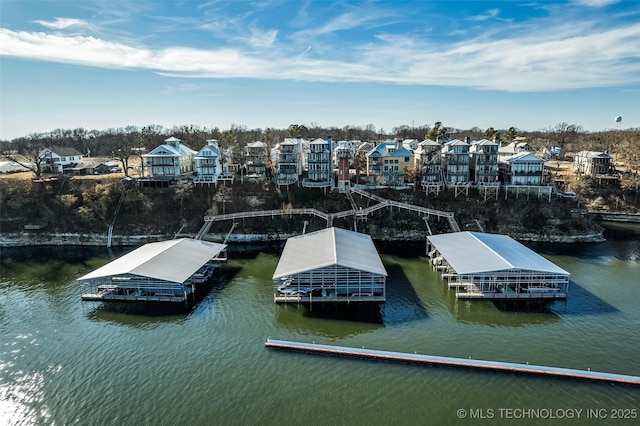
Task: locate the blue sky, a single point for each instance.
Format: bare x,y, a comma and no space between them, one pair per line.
527,64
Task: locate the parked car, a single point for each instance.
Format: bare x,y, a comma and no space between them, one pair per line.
116,170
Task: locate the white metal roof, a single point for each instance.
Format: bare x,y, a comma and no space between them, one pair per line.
475,252
327,247
525,157
172,260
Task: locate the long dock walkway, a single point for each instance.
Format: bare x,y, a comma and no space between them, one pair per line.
451,362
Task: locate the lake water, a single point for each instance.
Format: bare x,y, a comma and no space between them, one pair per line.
64,361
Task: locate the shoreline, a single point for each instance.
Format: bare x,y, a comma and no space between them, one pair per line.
36,239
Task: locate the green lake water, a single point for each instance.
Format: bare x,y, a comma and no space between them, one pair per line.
64,361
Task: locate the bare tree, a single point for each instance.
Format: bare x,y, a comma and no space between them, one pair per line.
564,133
29,152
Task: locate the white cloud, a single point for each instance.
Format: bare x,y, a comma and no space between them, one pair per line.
263,38
63,23
595,3
526,59
490,14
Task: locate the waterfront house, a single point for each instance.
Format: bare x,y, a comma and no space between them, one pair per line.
58,160
523,168
208,163
491,266
455,162
257,160
330,265
428,161
593,163
289,161
319,164
387,163
483,168
169,161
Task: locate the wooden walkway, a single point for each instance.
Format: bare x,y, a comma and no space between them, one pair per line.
329,217
452,362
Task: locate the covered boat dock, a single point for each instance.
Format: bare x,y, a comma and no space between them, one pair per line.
166,271
330,265
491,266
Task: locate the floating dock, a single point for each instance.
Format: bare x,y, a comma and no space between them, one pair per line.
452,362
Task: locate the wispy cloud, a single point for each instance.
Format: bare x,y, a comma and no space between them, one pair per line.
261,38
595,3
64,23
490,14
530,56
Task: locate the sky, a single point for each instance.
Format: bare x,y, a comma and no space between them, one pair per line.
524,64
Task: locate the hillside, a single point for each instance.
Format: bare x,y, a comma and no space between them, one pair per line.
81,210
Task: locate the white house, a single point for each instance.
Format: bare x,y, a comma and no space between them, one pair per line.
291,154
484,162
427,160
257,159
592,163
524,168
208,163
455,159
170,160
58,159
319,164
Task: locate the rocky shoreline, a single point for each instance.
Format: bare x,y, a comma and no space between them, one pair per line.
33,239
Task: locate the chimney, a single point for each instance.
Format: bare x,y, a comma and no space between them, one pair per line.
398,143
467,139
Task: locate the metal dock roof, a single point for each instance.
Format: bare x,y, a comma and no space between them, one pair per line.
331,246
476,252
173,260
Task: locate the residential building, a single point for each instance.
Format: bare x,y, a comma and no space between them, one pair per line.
169,161
387,163
319,164
208,163
515,147
58,160
550,153
410,144
593,163
523,168
428,161
483,168
289,163
455,159
257,160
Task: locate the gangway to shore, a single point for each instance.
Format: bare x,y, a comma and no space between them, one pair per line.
329,217
452,362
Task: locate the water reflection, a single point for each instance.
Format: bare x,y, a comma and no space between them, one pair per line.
331,321
403,303
581,301
505,313
138,315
